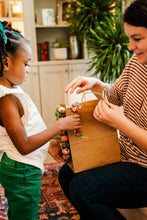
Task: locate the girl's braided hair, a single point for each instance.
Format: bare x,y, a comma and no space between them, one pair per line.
9,42
136,13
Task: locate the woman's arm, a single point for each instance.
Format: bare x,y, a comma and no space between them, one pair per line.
114,116
82,84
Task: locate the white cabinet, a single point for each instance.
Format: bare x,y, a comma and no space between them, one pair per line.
29,26
46,32
53,79
32,86
21,14
78,69
37,33
13,11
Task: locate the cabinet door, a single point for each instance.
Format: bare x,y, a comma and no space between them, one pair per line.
78,69
53,79
31,86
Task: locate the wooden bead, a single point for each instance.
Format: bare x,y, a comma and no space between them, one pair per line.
64,138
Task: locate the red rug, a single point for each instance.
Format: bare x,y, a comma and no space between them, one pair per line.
53,204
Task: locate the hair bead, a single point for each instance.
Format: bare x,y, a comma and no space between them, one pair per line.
9,24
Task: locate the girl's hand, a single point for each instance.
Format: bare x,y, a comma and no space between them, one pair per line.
55,150
71,122
109,113
85,83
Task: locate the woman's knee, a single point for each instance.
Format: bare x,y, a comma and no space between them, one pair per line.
65,174
78,190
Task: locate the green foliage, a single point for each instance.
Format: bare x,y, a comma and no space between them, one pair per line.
109,44
93,21
86,14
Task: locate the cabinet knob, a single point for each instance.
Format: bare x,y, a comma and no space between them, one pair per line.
72,70
66,70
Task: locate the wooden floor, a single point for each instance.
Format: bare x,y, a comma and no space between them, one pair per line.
49,159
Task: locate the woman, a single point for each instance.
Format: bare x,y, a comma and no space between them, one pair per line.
97,193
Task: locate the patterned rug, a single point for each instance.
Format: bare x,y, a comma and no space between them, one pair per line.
53,204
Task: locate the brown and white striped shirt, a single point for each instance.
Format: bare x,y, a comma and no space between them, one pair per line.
130,90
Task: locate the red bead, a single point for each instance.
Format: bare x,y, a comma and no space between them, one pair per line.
65,151
77,130
74,109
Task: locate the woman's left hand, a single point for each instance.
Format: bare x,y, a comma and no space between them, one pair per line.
109,113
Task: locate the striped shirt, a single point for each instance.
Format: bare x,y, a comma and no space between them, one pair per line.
130,91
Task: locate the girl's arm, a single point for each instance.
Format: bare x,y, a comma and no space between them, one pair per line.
10,118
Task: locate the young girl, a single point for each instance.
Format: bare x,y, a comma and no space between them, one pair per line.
96,193
23,134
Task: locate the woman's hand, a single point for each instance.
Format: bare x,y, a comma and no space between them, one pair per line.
85,83
109,113
113,116
55,150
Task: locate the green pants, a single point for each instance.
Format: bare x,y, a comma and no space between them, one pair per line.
22,188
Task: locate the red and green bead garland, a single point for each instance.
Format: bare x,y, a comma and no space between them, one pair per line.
61,113
74,110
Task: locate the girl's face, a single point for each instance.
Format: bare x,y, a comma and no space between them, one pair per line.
17,67
138,41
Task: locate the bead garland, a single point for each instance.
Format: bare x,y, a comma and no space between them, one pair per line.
74,110
61,113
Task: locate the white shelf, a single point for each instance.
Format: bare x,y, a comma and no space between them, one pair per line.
60,62
51,26
39,33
